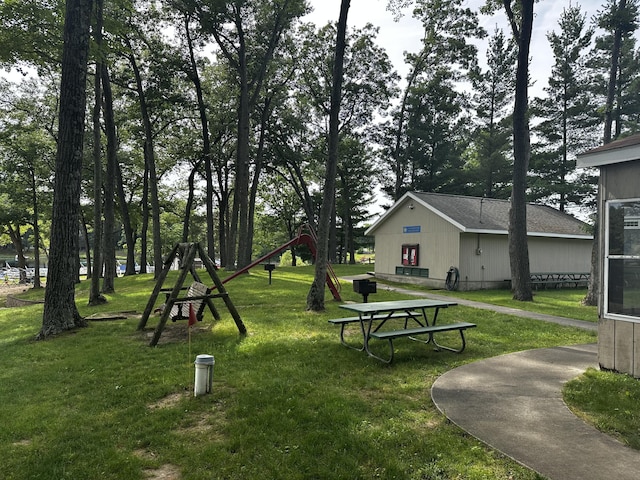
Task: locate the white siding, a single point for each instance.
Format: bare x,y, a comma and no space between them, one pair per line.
438,241
484,260
559,255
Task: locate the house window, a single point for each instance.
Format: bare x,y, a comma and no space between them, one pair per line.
622,264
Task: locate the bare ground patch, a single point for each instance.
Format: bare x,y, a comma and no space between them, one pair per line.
174,332
165,472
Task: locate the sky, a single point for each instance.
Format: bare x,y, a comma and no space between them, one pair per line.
405,35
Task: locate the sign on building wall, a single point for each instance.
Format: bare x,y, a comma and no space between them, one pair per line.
411,229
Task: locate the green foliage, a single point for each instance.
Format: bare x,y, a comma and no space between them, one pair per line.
489,160
567,124
31,33
426,139
288,400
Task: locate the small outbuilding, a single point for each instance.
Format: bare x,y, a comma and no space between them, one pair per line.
424,236
619,244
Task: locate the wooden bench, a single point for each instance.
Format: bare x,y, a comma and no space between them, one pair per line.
196,294
391,335
343,322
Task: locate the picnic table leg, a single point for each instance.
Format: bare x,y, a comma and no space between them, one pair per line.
343,341
365,335
455,350
414,318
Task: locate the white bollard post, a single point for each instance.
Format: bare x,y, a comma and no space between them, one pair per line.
204,374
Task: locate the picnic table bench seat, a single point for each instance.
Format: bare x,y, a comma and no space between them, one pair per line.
391,335
343,322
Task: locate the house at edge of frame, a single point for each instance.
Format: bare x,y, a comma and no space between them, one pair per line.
423,235
619,243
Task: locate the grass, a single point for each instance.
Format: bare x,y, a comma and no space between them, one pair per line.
609,401
288,401
565,302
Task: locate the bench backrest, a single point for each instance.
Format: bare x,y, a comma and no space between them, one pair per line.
181,309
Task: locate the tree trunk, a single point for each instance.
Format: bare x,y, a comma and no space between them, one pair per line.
129,234
591,299
145,221
518,242
315,297
108,283
189,206
36,232
60,311
150,163
87,248
95,298
613,71
239,221
206,143
257,171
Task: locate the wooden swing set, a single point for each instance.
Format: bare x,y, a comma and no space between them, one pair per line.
198,295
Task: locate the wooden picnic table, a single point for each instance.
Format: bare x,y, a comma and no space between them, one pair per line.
372,318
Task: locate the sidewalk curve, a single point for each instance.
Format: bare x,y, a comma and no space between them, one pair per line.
513,403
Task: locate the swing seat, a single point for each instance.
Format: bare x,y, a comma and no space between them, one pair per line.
196,294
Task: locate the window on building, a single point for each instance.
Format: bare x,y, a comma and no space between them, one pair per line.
622,265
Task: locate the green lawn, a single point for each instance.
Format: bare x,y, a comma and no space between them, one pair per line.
564,302
288,401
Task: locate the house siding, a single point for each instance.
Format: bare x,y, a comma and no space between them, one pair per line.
559,255
438,242
483,263
618,339
481,258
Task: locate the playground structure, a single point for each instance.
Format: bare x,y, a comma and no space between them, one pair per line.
200,297
195,298
308,239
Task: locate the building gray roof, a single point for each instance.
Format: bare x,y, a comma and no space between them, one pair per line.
488,215
623,150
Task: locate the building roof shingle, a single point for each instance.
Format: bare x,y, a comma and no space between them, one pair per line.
488,215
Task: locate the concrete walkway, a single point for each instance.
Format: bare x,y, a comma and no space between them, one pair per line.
514,404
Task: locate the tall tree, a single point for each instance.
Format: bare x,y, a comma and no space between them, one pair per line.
95,297
567,124
247,34
489,164
315,297
108,282
520,16
60,311
423,136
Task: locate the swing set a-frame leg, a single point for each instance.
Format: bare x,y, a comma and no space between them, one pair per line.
222,292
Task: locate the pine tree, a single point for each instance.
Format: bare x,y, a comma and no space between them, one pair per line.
566,124
489,163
